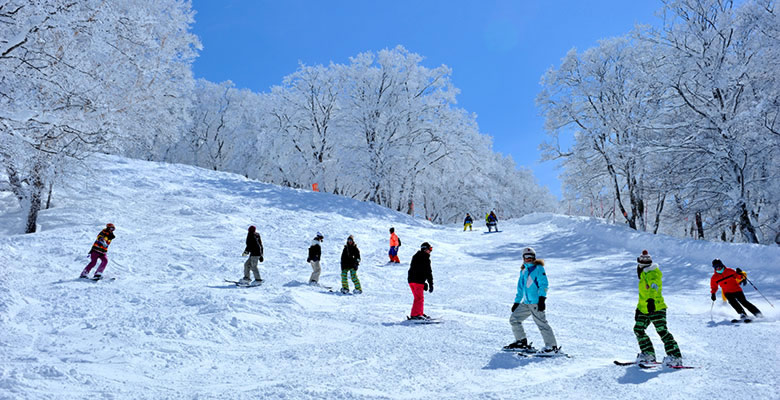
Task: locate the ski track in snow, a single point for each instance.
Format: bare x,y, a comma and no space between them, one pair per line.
169,327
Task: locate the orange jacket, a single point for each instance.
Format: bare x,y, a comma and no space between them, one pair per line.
394,240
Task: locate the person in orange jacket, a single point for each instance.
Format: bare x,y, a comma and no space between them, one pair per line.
726,278
395,243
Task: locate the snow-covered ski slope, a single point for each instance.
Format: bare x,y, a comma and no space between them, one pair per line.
170,327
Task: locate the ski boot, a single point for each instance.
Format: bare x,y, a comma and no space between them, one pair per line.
521,346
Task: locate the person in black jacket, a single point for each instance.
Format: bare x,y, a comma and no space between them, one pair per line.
420,279
350,259
314,259
254,249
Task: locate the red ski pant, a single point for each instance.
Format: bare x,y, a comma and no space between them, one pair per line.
94,257
418,291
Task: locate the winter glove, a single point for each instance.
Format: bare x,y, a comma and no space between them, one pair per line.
514,306
541,306
713,297
261,258
246,253
308,260
430,288
425,287
650,306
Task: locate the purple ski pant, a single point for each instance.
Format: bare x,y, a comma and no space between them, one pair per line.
95,256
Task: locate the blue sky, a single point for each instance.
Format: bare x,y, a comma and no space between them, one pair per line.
498,50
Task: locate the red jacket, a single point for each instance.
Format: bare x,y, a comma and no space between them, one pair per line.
726,280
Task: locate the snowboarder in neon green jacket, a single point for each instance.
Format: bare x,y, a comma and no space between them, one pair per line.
651,309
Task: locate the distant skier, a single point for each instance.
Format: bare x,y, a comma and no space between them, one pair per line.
491,221
530,302
315,251
98,252
254,249
652,309
467,222
395,243
350,259
420,278
726,278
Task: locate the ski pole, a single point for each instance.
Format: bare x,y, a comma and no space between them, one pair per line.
759,292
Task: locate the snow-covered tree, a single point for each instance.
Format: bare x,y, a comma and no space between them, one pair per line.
78,77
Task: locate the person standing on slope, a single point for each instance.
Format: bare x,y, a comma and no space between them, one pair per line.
420,278
530,302
467,222
651,309
727,279
395,243
98,252
350,259
315,251
254,249
491,221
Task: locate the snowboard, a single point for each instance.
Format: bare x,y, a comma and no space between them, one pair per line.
96,279
541,354
661,366
491,232
649,365
239,284
428,321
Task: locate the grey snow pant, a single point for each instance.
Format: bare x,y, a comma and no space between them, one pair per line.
524,311
251,264
315,273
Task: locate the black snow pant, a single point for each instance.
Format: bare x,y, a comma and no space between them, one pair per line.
737,300
657,318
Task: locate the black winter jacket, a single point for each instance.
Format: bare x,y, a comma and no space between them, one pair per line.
254,245
350,257
314,252
420,268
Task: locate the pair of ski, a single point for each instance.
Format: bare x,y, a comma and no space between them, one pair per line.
738,320
651,365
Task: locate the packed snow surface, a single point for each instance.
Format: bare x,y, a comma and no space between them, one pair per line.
170,327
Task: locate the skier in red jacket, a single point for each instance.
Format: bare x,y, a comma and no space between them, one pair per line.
726,278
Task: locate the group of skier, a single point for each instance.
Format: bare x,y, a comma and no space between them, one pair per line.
491,221
529,301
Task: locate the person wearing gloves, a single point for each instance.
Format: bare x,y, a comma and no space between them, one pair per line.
420,278
315,251
530,302
651,309
729,281
350,259
98,252
254,249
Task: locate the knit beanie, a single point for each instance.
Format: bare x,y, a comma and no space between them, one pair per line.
645,258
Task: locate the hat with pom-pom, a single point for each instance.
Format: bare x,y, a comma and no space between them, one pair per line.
645,258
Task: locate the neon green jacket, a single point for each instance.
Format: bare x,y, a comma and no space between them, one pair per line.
650,288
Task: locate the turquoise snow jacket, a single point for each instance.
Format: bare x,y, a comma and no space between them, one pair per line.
532,283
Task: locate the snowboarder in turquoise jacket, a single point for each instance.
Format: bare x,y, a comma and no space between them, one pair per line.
530,302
